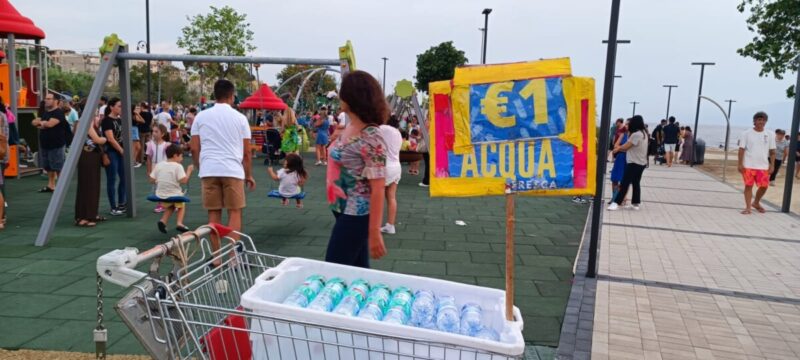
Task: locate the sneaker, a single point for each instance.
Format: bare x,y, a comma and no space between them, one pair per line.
318,163
123,208
324,163
423,185
772,183
613,207
162,227
159,209
635,207
116,212
137,165
388,229
579,200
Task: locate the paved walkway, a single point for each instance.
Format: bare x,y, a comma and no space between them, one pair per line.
688,277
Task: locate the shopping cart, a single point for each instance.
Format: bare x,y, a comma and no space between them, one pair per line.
192,310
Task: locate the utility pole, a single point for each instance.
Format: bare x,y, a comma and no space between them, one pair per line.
486,13
384,74
697,113
634,107
669,97
147,44
605,124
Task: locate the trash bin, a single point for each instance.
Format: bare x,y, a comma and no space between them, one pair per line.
699,152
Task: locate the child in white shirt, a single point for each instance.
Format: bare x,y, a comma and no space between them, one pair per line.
168,176
292,177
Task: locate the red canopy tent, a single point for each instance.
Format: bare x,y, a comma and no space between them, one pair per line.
12,22
264,99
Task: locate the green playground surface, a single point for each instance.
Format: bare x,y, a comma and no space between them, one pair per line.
48,294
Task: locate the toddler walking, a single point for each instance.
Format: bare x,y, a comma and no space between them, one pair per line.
168,177
292,177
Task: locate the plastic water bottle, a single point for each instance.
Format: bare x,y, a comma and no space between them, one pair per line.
488,334
306,292
377,300
354,298
447,318
329,296
471,319
423,310
399,306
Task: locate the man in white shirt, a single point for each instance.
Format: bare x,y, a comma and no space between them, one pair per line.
164,118
756,161
220,143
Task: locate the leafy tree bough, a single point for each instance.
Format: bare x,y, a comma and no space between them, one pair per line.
777,41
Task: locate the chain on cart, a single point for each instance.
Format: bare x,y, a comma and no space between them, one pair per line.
192,309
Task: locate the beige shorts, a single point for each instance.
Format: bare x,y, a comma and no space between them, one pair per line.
223,193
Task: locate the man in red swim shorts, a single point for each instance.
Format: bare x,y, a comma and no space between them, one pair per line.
756,161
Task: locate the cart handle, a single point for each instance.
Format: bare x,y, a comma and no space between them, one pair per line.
118,266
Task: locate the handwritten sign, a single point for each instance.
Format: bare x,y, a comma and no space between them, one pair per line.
529,124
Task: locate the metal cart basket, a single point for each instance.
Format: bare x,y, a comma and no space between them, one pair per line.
192,311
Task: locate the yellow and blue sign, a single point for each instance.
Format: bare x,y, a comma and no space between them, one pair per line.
527,124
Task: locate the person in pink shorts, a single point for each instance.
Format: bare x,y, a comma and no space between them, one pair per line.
756,161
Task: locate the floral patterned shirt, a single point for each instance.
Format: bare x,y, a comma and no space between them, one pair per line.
350,167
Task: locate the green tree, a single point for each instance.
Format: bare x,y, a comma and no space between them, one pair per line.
321,82
69,82
777,41
173,86
438,63
223,31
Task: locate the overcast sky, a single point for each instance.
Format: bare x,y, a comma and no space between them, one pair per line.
666,37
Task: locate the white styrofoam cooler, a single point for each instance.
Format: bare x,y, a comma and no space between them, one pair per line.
265,297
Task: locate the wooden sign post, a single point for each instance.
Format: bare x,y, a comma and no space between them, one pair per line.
509,254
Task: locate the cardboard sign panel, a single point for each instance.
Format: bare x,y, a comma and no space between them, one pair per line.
534,127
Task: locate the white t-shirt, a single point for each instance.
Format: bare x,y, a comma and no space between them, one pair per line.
290,183
342,120
756,147
164,118
156,152
394,141
222,131
168,175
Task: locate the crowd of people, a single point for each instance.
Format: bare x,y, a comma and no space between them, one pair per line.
760,156
360,143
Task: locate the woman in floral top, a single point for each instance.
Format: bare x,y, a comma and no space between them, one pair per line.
356,174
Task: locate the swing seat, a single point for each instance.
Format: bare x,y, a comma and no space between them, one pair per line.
171,199
276,194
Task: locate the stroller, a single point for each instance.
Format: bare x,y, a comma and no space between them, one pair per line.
272,147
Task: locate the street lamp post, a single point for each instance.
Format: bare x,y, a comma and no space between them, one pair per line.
147,43
384,74
793,144
669,96
727,135
634,107
697,112
486,13
605,124
482,39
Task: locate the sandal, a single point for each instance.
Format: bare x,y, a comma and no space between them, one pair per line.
84,223
46,190
100,218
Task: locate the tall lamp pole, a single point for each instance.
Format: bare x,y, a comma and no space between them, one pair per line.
605,122
147,43
669,96
634,107
697,113
793,144
384,74
727,136
486,13
482,40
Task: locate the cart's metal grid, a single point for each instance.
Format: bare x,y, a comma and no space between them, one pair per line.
178,315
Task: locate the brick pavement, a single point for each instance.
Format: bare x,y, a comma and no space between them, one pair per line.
688,277
47,294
